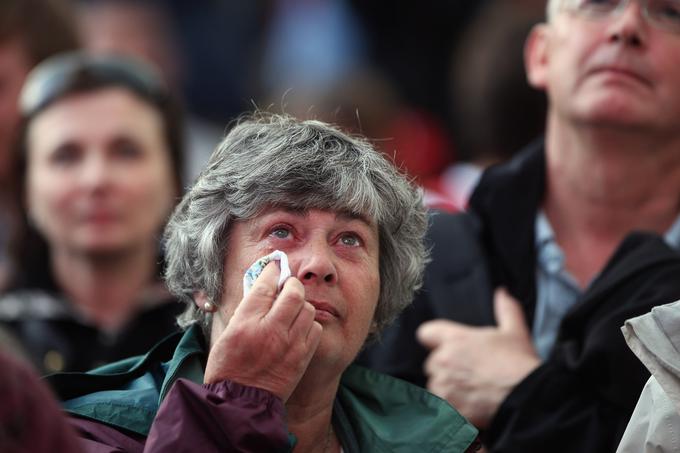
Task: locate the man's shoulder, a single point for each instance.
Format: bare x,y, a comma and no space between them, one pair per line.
643,256
450,225
454,241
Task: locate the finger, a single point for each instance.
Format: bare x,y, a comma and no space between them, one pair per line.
509,313
433,333
263,292
438,387
438,361
314,335
429,366
289,303
303,322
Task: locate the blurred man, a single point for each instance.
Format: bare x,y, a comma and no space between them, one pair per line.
547,369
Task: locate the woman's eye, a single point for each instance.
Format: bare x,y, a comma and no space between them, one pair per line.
127,149
350,240
280,233
65,155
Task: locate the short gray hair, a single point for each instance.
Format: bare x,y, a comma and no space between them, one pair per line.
272,160
552,9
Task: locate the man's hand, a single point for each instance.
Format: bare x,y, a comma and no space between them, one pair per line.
269,340
475,368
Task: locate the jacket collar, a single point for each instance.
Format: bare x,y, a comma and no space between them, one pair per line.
377,408
506,200
90,394
378,405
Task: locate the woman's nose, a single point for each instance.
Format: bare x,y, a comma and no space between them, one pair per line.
95,173
315,264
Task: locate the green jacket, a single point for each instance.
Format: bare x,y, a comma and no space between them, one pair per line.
372,412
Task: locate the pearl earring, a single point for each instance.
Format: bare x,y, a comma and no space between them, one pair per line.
209,307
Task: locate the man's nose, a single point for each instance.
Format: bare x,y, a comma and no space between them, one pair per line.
630,27
315,263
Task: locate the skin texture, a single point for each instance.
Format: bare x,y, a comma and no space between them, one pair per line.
99,178
297,343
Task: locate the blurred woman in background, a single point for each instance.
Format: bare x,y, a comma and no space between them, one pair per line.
98,165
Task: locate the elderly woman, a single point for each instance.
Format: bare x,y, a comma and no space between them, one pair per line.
98,172
251,369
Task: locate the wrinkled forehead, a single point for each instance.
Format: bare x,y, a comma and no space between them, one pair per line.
304,211
360,200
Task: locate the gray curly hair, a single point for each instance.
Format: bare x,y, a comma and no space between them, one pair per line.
272,160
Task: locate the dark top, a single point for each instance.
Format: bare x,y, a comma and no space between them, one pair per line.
581,397
157,402
57,339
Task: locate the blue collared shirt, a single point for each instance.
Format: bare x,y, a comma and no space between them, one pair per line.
556,289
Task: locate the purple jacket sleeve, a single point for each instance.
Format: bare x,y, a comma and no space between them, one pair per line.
225,416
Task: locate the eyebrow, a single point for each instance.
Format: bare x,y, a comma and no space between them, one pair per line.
354,216
342,215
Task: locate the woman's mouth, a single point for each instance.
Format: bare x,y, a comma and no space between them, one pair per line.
324,311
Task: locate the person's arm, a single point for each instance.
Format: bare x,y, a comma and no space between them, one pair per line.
581,398
475,368
223,416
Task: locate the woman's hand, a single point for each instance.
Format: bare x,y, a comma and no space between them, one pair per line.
269,340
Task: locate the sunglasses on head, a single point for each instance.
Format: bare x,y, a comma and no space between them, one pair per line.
75,72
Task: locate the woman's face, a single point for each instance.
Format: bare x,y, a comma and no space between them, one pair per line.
99,175
335,256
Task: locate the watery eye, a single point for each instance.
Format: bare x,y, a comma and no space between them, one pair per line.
667,11
350,240
280,233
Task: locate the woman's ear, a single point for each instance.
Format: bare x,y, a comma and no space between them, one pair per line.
202,302
536,56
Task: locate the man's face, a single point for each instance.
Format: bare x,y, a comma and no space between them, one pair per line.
614,71
14,67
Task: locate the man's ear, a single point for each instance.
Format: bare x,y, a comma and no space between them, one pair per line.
536,56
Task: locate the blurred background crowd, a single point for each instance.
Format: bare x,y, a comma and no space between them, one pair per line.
434,83
438,86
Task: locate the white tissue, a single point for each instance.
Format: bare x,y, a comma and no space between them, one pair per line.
256,268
